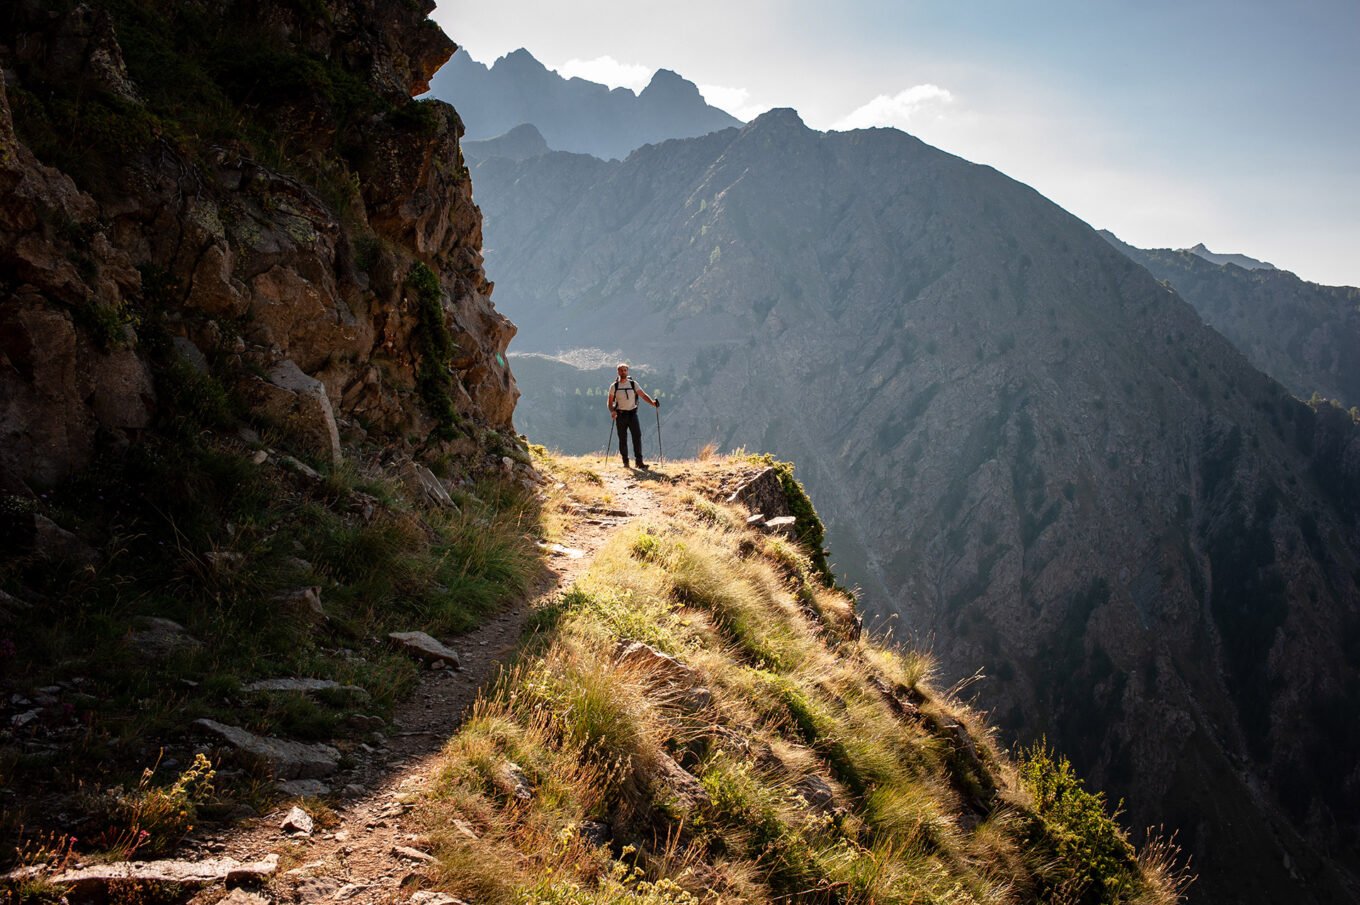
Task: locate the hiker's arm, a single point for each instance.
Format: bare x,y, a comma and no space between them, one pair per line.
613,412
643,394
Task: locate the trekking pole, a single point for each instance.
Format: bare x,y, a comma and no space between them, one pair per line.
604,450
660,450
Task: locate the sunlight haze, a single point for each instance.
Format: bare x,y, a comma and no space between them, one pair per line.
1231,124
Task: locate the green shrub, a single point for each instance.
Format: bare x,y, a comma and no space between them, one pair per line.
436,347
1093,853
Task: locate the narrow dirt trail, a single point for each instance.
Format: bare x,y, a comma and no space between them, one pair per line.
364,852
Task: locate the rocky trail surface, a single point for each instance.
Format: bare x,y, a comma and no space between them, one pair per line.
358,847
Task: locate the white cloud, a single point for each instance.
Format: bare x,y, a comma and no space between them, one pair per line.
898,110
608,71
736,101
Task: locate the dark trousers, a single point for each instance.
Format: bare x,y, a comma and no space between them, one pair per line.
627,423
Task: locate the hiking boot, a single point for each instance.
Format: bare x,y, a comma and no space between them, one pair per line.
642,465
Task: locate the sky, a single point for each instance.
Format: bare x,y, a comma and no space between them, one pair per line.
1235,123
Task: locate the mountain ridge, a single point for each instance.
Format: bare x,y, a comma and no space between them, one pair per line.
1305,335
573,114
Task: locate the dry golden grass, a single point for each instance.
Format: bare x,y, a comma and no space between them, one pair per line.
778,757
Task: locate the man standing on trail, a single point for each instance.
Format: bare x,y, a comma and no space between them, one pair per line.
623,403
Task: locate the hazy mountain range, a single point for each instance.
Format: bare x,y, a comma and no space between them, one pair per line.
1028,449
573,114
1304,335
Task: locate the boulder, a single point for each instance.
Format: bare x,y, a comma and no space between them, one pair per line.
53,542
303,686
762,494
288,759
423,647
513,779
679,782
297,823
298,404
422,484
89,881
156,638
412,854
190,354
818,794
303,602
644,656
304,788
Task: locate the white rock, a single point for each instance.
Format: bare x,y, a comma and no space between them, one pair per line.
430,897
297,823
413,854
422,646
178,873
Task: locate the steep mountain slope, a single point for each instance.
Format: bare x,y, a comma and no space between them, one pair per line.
1025,447
573,114
1304,335
193,188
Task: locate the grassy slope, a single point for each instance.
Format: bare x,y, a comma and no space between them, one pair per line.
193,529
778,757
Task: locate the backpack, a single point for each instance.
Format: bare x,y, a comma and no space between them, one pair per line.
631,388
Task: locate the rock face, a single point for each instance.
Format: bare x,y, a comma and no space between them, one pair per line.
1024,446
1304,335
572,114
338,287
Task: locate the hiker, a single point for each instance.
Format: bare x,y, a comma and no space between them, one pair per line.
623,403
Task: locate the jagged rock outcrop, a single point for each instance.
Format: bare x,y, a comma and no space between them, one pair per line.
1026,449
572,114
1304,335
256,184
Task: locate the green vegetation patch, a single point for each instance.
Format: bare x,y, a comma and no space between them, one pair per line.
433,376
1095,863
807,525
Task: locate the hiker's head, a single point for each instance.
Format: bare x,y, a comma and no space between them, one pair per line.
623,369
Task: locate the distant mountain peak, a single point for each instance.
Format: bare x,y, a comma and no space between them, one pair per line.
662,76
781,117
520,143
521,59
576,114
672,84
1242,261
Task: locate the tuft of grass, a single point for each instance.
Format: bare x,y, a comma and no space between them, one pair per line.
151,819
1095,858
